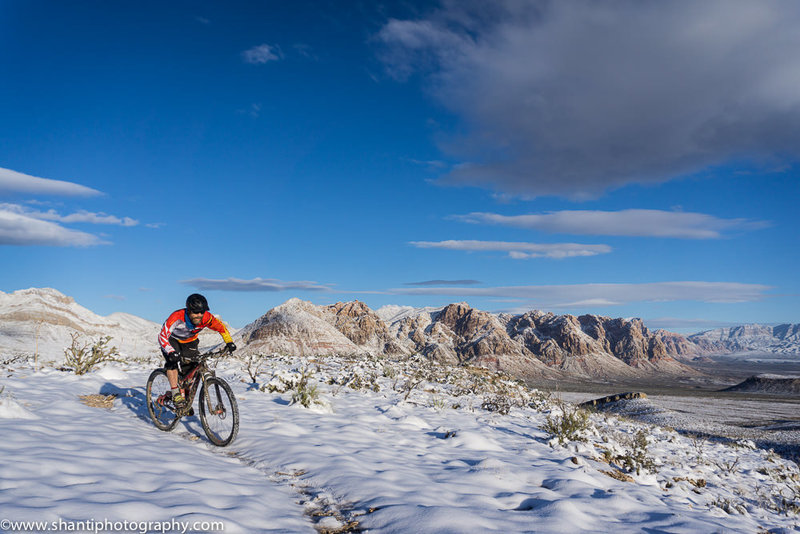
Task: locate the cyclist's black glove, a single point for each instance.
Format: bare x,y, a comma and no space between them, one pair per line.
231,347
173,357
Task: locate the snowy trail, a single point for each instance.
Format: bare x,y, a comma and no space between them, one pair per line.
77,462
393,466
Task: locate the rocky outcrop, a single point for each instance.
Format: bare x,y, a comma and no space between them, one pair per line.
678,346
295,327
772,384
613,398
363,327
459,334
557,339
477,335
535,344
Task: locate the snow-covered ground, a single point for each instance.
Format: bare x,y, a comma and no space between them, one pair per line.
417,455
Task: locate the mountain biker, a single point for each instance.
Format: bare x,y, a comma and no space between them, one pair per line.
179,337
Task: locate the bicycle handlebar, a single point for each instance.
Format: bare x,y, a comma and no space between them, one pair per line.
209,354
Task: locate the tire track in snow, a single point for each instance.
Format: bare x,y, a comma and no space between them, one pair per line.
327,514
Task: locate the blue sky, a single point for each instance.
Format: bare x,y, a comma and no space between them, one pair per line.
625,158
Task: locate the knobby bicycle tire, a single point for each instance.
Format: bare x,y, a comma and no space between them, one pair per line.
163,417
221,423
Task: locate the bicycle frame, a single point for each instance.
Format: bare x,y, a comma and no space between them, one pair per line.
219,413
190,381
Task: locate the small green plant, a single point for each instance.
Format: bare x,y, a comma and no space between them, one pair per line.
438,403
281,382
357,379
636,458
305,392
497,404
417,377
570,424
729,506
389,371
82,357
540,399
787,499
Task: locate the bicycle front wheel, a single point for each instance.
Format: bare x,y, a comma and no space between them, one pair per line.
219,413
159,401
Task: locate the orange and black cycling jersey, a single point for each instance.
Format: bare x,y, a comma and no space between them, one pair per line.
180,327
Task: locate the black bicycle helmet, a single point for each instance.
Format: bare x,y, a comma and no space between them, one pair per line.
196,303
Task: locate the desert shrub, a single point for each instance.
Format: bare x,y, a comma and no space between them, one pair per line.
8,360
699,445
82,357
254,365
729,506
438,403
298,382
389,371
417,371
357,379
539,400
497,404
305,392
282,381
787,499
636,458
728,466
571,423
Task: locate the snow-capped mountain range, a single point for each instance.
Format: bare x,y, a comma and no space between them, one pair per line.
41,321
534,344
781,339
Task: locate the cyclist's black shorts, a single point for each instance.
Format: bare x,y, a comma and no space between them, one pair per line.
182,350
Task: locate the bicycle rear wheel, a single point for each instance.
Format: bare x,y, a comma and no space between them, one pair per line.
159,401
219,413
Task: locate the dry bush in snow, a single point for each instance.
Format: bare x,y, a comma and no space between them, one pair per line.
82,357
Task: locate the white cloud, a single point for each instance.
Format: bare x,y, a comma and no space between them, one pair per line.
88,217
19,229
443,283
576,97
255,284
81,216
17,182
520,250
576,295
258,55
633,222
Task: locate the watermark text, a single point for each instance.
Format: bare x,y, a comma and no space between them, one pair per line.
106,525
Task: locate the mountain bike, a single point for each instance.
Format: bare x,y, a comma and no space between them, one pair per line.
219,413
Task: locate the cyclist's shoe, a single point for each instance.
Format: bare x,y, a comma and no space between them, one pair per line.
178,399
